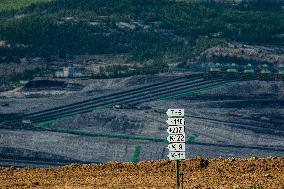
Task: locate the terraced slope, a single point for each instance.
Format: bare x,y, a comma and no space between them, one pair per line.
157,91
242,119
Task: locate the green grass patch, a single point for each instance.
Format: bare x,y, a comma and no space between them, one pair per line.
46,124
6,5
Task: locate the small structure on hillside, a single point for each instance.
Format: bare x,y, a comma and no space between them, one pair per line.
265,69
281,69
249,69
215,67
232,68
23,82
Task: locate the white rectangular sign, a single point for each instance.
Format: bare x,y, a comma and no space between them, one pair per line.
175,121
176,155
176,130
175,112
176,147
176,138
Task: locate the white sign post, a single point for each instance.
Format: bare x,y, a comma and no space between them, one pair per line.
176,147
176,138
175,130
175,112
175,121
176,133
176,155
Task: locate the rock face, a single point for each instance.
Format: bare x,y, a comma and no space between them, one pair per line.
248,52
198,173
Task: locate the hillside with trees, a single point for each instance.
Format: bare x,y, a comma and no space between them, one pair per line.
140,29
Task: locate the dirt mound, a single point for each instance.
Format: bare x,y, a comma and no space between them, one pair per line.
198,173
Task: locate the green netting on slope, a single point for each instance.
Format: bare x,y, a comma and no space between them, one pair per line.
136,153
195,90
117,135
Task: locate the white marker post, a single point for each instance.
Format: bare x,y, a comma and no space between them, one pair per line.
175,121
175,130
176,147
175,112
176,138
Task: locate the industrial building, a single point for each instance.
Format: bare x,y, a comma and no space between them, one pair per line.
66,72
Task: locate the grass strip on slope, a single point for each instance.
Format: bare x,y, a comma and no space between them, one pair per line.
45,124
196,90
136,153
117,135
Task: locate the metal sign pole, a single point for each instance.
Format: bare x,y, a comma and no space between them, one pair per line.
181,173
176,139
177,173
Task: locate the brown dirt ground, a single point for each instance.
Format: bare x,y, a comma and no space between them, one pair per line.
198,173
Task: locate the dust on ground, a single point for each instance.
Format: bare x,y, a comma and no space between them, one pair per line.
198,173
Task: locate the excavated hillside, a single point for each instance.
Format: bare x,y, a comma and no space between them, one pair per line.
266,173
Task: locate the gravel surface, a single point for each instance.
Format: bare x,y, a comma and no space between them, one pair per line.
237,173
240,120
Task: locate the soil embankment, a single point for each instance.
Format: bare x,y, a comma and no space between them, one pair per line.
198,173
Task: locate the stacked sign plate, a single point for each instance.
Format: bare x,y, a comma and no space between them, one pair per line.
176,132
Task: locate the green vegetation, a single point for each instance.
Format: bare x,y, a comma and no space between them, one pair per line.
136,154
26,75
17,79
117,135
46,124
17,4
144,29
